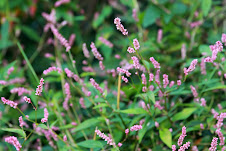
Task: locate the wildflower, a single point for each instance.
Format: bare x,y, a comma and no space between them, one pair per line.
68,72
105,137
182,136
194,92
219,106
62,40
194,148
60,2
68,95
119,144
195,24
9,102
26,99
144,81
201,126
159,38
130,50
22,123
156,124
20,91
174,148
81,102
125,79
95,52
65,138
135,15
85,50
46,115
151,77
223,38
135,127
72,39
221,137
203,102
96,85
117,56
10,70
208,59
13,140
127,131
136,63
102,67
136,44
120,27
50,17
203,67
213,144
40,87
51,69
120,70
106,42
171,83
155,63
185,146
165,80
191,67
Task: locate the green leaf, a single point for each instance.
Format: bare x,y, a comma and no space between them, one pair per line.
133,111
85,74
53,123
104,13
151,14
88,123
205,49
100,105
4,42
216,88
43,126
166,136
149,95
90,144
32,34
206,5
185,113
18,131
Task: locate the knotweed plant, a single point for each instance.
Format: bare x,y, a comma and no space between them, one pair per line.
139,99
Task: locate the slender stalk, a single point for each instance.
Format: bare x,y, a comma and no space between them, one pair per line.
28,62
119,87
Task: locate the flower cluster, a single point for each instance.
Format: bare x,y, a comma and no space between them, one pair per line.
135,15
51,69
191,67
26,99
13,140
95,52
155,63
20,91
165,80
22,123
135,127
130,50
213,144
46,115
136,63
96,86
105,137
185,146
182,136
60,2
39,87
136,44
120,27
9,102
85,50
106,42
68,95
120,70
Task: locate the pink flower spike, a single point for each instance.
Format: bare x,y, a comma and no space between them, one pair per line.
13,140
95,52
185,146
194,92
178,82
60,2
174,148
136,128
105,137
223,38
68,96
102,67
213,144
191,67
85,50
136,63
40,87
155,63
120,27
131,50
119,144
135,15
182,136
127,131
96,86
165,80
65,138
156,124
62,40
46,115
72,39
10,70
106,42
26,99
9,102
136,44
51,69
